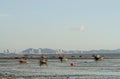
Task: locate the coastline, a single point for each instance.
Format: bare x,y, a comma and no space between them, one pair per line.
55,56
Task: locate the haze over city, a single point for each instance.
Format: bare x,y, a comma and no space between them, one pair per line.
59,24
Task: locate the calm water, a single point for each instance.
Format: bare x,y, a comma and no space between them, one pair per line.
85,69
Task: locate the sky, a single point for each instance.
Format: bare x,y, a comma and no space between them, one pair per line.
60,24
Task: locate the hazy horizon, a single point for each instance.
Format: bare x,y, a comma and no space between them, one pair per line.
64,24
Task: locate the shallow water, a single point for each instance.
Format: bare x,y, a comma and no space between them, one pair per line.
85,69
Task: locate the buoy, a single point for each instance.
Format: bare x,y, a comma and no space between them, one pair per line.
73,64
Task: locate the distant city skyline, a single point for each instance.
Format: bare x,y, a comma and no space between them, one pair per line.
59,51
59,24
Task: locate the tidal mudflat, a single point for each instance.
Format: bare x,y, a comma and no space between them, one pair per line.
85,69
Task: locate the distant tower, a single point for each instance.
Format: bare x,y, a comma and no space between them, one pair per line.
57,51
81,51
32,51
39,51
60,51
14,51
4,51
8,51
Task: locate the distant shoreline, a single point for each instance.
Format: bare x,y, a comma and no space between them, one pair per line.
55,56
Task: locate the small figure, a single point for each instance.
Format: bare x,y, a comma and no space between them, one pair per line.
98,57
43,60
63,58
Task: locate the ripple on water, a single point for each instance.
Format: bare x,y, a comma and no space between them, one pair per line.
85,69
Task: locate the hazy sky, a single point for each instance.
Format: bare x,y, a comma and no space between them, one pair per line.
64,24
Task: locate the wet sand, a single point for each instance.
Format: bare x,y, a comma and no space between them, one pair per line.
85,69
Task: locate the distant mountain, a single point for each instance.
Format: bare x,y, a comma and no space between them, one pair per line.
39,51
54,51
104,51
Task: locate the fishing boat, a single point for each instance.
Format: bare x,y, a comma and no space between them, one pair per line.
23,60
